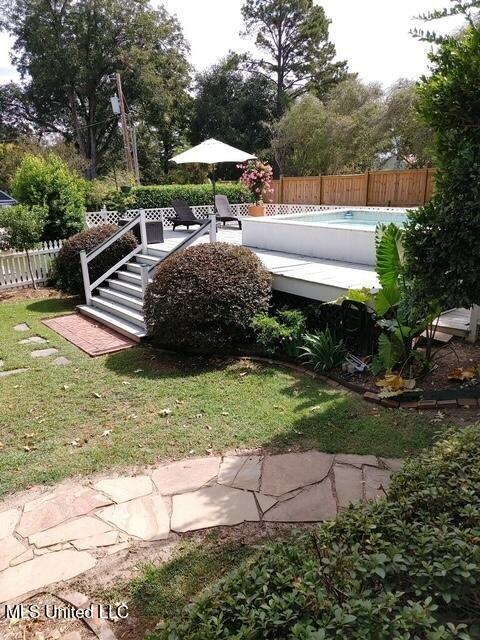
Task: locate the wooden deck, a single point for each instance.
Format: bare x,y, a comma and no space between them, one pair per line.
314,278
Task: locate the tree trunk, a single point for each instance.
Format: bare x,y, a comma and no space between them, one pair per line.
30,269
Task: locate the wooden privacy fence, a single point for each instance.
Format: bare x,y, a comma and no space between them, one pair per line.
407,188
14,271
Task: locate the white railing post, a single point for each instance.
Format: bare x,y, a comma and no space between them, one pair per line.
213,227
474,320
86,278
104,213
144,274
143,231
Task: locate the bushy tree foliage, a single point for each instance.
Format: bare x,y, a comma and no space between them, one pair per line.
49,183
299,57
344,133
233,106
411,136
24,227
442,237
66,53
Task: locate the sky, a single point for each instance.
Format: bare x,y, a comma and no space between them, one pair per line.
373,35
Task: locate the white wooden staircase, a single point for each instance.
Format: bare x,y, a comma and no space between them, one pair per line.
118,303
116,298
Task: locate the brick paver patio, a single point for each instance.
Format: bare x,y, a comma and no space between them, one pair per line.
95,339
52,535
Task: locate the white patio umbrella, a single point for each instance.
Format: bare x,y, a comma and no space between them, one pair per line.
212,152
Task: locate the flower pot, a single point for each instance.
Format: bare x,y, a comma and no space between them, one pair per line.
256,210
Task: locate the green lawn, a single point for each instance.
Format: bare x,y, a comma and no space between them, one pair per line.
111,407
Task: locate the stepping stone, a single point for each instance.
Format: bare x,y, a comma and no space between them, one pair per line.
117,547
24,557
72,635
289,471
348,484
93,542
73,530
11,372
33,340
241,472
8,521
10,549
146,518
61,361
356,461
394,464
313,504
377,482
124,489
43,353
21,327
43,571
53,509
213,507
185,475
265,502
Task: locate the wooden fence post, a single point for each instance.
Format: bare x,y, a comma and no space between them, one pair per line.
425,186
320,189
367,182
280,190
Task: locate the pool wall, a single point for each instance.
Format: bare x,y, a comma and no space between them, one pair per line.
289,235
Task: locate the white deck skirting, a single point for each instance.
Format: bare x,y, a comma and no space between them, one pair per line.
314,278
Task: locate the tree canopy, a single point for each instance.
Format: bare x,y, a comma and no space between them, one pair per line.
66,52
442,237
233,106
299,56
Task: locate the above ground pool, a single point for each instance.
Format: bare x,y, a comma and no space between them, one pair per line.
347,235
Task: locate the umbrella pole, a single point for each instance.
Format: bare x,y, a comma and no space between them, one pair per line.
214,180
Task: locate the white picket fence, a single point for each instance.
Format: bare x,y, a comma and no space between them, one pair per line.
14,271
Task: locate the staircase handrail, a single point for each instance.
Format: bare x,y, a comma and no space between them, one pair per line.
86,258
210,224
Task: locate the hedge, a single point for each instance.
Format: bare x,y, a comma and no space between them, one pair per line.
407,567
67,271
205,298
194,194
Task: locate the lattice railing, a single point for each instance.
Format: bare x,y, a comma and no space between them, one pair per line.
167,214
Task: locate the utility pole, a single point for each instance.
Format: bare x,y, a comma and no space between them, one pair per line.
128,132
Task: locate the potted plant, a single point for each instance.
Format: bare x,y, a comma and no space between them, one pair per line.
257,177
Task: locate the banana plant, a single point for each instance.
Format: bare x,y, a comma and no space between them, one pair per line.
401,322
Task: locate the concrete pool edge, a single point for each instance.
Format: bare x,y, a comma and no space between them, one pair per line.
290,234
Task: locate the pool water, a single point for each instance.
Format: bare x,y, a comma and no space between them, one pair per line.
355,219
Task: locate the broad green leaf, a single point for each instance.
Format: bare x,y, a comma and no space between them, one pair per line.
386,299
389,253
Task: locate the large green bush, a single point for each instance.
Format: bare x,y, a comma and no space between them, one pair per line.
49,183
67,271
442,237
205,298
193,194
407,567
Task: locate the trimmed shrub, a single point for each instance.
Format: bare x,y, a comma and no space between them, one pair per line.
280,333
205,298
193,194
67,272
49,183
405,567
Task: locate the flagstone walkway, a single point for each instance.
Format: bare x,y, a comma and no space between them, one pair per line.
52,535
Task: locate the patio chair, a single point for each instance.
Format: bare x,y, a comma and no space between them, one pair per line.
183,215
224,211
